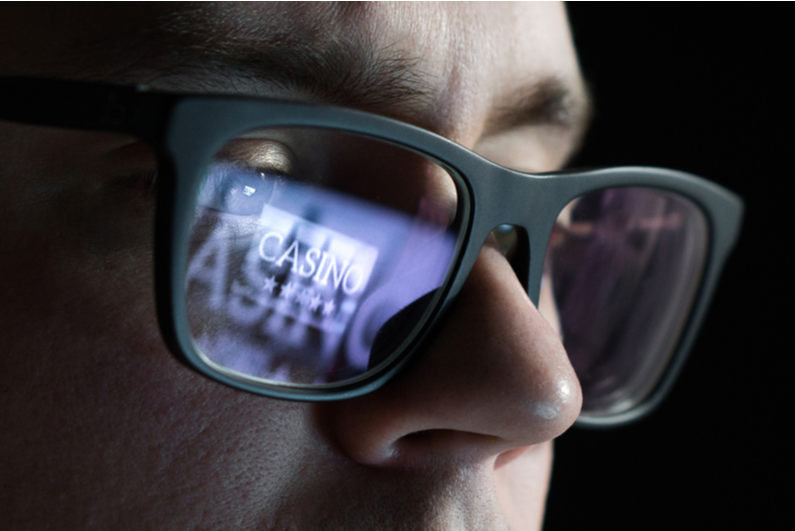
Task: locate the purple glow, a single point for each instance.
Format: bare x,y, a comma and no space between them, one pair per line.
298,293
625,264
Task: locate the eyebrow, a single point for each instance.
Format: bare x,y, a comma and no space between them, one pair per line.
338,71
339,74
549,101
345,71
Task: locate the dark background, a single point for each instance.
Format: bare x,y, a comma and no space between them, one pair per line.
703,88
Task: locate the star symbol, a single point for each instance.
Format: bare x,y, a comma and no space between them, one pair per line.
269,284
328,308
315,302
288,290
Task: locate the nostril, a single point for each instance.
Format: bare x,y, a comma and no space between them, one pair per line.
420,436
444,446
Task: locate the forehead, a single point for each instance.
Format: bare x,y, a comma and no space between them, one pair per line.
421,62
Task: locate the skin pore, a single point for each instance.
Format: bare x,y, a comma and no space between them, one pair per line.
104,429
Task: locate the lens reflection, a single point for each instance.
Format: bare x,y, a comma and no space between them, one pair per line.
624,265
305,244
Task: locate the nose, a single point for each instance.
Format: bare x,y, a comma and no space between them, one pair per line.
495,378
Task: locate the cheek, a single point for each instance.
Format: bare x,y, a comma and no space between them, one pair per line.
99,419
522,486
79,315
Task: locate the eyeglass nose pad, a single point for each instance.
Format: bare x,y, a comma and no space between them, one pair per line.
514,245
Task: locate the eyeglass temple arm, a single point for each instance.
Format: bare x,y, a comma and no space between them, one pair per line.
82,105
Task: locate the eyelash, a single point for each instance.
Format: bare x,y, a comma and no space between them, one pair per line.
144,182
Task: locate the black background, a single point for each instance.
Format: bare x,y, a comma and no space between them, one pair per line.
704,88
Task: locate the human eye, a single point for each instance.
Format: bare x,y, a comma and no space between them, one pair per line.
269,166
244,176
305,242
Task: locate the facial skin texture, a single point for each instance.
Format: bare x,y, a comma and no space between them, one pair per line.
104,429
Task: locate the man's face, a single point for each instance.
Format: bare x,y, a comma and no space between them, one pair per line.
104,429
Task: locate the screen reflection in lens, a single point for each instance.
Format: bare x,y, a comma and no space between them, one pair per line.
624,265
309,246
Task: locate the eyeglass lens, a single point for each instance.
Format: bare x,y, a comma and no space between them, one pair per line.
315,254
622,269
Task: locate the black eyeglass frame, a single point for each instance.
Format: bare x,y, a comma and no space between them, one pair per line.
186,131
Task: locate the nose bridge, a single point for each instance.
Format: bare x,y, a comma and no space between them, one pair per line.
504,196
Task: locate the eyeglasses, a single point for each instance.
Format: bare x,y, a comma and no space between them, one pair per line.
306,251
